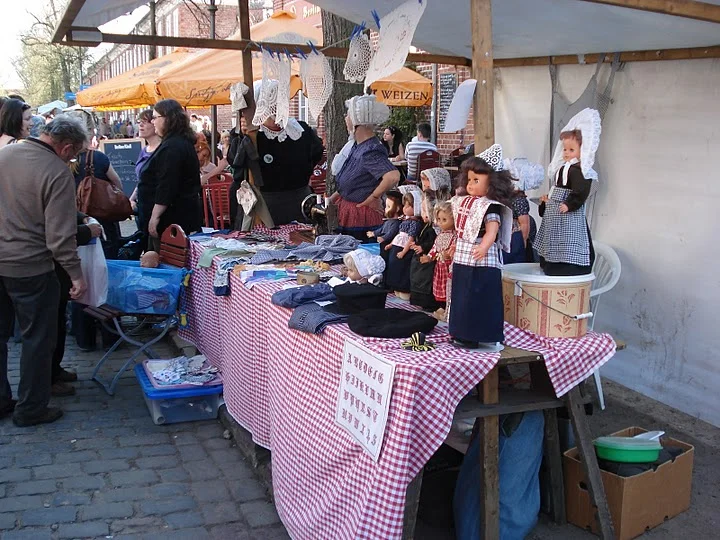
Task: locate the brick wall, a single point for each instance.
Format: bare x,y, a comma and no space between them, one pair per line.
195,21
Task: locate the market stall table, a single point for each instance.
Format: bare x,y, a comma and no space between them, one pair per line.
282,386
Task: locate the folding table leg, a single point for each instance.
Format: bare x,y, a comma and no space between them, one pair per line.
589,460
144,348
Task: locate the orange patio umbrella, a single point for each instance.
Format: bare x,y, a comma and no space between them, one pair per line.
206,79
406,88
133,88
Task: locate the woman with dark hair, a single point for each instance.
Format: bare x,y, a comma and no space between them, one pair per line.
169,187
15,121
392,140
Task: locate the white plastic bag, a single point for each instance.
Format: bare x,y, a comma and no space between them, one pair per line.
95,272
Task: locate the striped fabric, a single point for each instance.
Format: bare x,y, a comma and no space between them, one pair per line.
413,150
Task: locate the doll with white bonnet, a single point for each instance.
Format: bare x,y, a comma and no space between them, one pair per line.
526,177
563,241
437,183
364,267
483,223
398,270
441,253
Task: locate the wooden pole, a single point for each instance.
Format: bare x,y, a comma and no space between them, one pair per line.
152,52
249,111
484,115
689,9
482,71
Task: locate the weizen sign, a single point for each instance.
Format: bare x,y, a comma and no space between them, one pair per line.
364,398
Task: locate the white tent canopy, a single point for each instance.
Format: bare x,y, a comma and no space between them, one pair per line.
527,28
95,13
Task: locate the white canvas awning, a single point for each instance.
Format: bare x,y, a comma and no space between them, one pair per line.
521,28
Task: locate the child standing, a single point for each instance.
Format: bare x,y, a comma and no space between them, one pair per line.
563,240
441,254
483,223
421,269
398,271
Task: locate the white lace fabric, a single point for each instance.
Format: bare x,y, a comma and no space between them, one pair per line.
397,29
292,130
282,107
317,78
493,156
358,58
266,95
237,96
589,124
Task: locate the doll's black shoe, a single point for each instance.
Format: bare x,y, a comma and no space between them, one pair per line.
464,344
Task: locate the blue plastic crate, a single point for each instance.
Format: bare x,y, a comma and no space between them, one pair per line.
373,248
179,405
153,291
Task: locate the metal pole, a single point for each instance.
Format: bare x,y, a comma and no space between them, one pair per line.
212,8
434,106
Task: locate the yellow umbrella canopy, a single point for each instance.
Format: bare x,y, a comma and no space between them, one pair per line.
406,88
134,88
206,79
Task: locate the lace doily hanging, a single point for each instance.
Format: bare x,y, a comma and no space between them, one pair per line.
528,175
588,122
237,96
283,94
317,80
493,156
358,59
397,29
266,93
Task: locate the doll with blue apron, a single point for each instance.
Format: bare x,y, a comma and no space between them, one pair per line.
563,241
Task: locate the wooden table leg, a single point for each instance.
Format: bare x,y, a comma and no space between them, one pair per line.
489,459
553,463
583,439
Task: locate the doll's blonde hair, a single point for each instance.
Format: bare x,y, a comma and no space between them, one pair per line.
444,206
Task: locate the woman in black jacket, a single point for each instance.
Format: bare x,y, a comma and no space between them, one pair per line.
169,187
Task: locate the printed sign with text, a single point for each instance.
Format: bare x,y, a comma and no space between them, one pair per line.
366,381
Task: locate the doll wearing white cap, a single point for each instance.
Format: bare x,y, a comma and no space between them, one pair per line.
398,274
363,267
563,241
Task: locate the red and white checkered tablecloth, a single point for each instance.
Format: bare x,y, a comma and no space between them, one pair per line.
282,385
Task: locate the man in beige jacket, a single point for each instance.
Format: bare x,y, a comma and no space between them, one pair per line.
37,224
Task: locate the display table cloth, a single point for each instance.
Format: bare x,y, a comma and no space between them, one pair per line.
282,386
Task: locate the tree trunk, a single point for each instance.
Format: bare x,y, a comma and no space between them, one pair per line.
336,29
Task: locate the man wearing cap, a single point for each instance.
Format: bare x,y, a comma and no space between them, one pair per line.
367,173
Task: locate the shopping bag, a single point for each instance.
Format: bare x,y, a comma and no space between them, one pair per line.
95,272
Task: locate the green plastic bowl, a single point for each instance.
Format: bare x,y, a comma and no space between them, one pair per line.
627,449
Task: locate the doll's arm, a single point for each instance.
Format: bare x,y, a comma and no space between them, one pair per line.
524,222
491,231
580,190
406,248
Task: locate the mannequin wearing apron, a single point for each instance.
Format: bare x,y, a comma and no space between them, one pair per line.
563,241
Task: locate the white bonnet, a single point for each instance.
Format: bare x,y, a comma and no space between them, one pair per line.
588,122
439,178
417,196
527,175
368,265
366,111
270,87
493,156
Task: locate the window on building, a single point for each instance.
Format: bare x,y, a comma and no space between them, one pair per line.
304,110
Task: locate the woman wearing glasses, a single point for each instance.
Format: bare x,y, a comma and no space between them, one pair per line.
169,187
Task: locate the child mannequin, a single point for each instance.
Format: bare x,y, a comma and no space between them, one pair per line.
563,240
398,270
363,267
483,223
441,254
422,269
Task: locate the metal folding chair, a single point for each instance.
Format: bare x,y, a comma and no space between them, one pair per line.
173,251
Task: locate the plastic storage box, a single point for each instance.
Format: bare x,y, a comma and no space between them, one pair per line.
185,405
152,291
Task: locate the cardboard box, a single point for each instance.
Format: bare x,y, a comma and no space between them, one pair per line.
636,503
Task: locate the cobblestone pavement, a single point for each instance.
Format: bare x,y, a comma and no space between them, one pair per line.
105,470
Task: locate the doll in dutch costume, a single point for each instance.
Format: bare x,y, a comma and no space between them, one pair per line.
421,269
441,253
483,225
397,277
563,241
